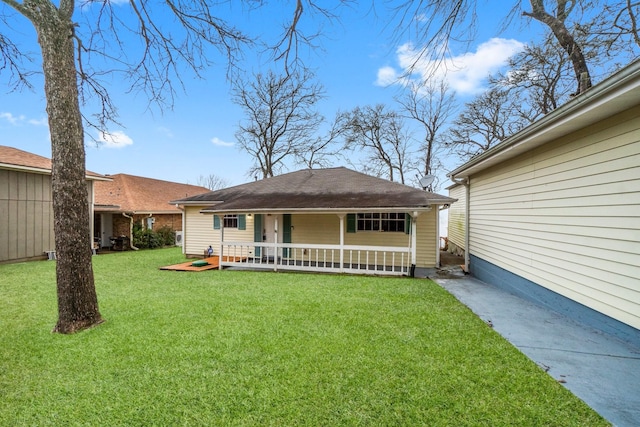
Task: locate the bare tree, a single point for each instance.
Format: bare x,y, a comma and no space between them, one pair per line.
79,46
431,105
322,150
435,26
488,119
212,182
626,15
380,135
557,24
281,119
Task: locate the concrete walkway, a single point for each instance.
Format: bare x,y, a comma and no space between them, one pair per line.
600,369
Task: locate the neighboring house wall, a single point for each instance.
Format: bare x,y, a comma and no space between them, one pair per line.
121,225
456,227
26,213
566,216
173,221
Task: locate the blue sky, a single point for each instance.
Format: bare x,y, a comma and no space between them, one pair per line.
358,65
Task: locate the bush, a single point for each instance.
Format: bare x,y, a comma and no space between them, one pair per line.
149,239
166,235
146,239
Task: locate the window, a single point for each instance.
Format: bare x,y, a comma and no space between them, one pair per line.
231,221
392,221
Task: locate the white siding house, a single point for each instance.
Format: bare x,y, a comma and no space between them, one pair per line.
334,220
554,211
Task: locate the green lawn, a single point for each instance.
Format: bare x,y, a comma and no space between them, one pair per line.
262,349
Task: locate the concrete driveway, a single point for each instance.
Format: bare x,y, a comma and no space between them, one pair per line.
600,369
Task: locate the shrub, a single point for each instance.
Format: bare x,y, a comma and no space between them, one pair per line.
166,235
149,239
146,239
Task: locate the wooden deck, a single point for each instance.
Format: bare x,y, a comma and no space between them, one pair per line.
214,263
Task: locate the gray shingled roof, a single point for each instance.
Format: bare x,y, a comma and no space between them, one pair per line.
316,189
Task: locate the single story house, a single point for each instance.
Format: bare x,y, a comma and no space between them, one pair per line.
26,205
330,220
128,199
553,212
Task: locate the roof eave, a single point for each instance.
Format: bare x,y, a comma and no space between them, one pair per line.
424,208
194,203
45,171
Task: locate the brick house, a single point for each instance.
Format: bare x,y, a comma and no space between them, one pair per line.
128,199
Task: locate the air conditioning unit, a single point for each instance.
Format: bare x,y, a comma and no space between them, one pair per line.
178,238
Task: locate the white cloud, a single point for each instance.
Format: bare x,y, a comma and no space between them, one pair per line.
11,118
166,131
218,141
40,122
464,73
117,139
19,120
387,76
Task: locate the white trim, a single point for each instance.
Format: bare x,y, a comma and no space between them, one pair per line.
319,258
328,210
341,216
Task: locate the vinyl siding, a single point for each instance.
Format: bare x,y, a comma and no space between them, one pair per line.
314,229
199,232
26,215
428,241
456,227
567,216
325,229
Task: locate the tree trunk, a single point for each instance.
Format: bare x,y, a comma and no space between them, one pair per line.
566,40
77,299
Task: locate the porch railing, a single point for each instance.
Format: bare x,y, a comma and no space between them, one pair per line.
383,260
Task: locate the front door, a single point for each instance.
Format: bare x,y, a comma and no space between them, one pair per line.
106,229
269,225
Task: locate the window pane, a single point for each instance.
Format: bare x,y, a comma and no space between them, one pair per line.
393,222
231,221
368,221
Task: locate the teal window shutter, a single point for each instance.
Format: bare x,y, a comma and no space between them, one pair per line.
407,223
286,233
351,223
216,222
242,222
257,232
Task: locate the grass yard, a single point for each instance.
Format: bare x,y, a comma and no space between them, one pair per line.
236,348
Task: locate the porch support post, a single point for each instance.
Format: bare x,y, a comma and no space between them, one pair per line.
414,240
341,216
221,217
184,228
437,236
275,243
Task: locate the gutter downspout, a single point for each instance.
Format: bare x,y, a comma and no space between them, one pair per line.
184,227
130,231
467,188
